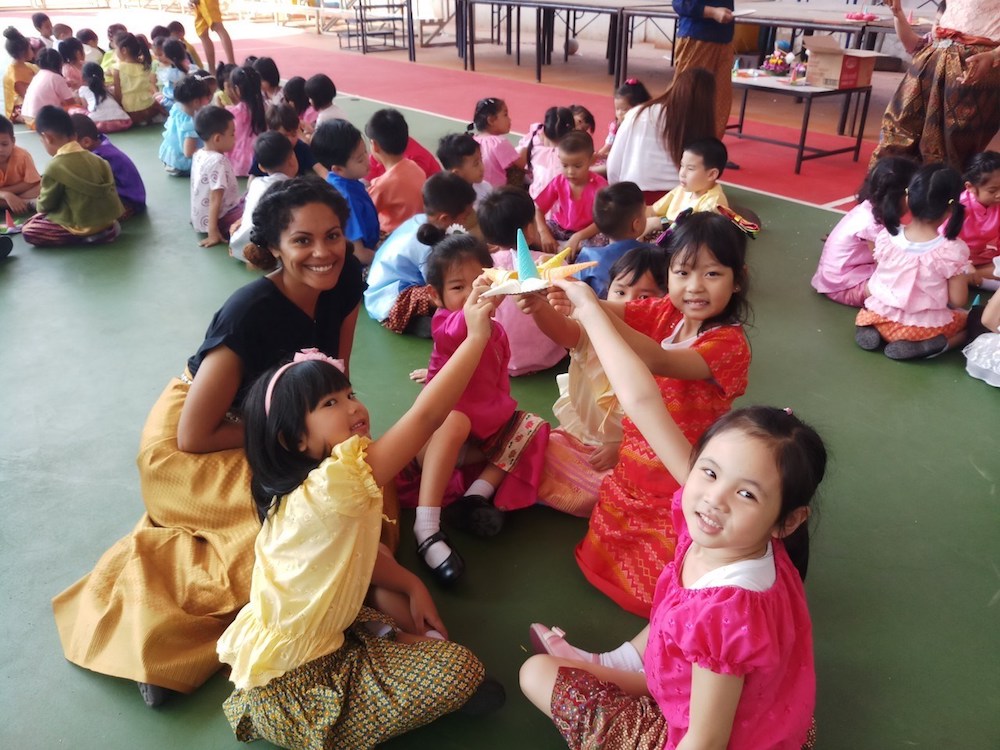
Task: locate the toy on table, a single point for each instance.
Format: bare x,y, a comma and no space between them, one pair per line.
528,277
779,61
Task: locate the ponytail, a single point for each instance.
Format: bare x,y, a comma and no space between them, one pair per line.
429,234
934,191
247,82
885,189
92,75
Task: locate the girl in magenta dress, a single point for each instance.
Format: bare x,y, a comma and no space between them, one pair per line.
730,638
244,86
981,227
486,430
491,121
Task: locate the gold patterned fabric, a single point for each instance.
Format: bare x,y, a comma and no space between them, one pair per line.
717,59
934,118
368,690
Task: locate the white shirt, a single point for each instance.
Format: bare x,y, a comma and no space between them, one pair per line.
638,156
210,171
257,188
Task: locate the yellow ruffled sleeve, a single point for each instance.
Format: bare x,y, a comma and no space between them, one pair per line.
314,559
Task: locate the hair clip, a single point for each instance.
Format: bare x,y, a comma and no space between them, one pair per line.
632,81
951,201
788,410
663,239
304,355
455,229
749,228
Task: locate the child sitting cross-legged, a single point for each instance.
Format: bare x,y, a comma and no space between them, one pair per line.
19,180
128,181
78,201
48,87
583,450
102,107
484,427
339,645
215,196
340,148
273,153
702,164
282,118
729,640
397,192
397,295
180,139
565,212
620,214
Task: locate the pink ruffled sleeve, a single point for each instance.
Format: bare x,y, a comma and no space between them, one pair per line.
952,259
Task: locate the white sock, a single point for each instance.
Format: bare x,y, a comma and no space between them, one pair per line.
481,487
625,658
990,285
428,523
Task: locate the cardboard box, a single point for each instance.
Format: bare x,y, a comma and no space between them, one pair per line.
835,67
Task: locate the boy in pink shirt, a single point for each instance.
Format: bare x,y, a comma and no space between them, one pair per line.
981,227
568,200
398,193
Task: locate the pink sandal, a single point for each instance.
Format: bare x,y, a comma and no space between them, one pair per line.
552,641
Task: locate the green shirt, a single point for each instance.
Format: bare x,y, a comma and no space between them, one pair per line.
78,191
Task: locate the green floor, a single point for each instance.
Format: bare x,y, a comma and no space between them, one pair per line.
904,577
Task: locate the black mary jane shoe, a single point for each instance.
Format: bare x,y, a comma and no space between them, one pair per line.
451,569
474,514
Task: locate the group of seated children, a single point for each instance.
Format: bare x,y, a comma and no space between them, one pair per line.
911,280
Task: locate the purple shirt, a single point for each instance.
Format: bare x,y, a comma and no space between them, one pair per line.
127,179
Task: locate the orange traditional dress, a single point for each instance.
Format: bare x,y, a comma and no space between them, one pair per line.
631,537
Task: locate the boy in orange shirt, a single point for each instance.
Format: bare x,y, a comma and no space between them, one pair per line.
397,194
19,180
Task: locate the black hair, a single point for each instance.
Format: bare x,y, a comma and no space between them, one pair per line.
942,6
274,212
6,127
557,123
616,206
640,260
272,437
38,19
212,120
282,117
55,120
577,142
176,27
69,48
447,193
450,250
584,114
267,69
85,127
388,128
885,188
321,90
934,191
246,80
175,51
158,32
271,150
92,76
294,92
485,109
250,60
136,47
190,89
712,151
87,36
720,236
17,44
113,31
455,148
49,59
981,166
334,141
222,73
799,455
633,91
503,212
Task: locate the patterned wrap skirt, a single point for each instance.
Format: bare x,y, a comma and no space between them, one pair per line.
890,330
367,691
933,117
413,302
569,483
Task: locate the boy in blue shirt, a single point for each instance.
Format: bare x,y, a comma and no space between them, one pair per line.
339,147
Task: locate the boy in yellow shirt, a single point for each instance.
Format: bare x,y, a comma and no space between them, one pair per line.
701,166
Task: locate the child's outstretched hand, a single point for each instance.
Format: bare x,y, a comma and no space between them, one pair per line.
214,238
419,375
478,312
577,293
529,304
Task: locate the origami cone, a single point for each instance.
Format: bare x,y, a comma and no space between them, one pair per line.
564,272
10,220
555,260
499,275
525,264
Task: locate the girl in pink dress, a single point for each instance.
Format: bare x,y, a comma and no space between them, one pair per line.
921,277
630,94
981,227
847,263
485,427
729,640
248,111
540,146
491,122
74,56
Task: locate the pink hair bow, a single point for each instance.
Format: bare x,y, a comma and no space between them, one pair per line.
301,356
